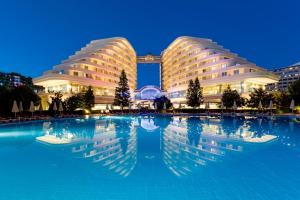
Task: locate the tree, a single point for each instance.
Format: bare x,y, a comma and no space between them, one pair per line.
6,100
21,93
74,102
282,99
26,95
189,94
122,92
161,101
229,96
89,98
198,92
194,94
258,95
294,91
57,98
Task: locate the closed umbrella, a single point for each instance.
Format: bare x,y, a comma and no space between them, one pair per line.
54,106
129,107
292,105
60,107
234,107
15,108
179,105
31,108
112,107
107,107
20,106
260,105
165,106
271,105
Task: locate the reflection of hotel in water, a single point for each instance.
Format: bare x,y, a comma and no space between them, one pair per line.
116,153
185,144
184,150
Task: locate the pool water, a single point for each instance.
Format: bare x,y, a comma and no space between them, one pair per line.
151,157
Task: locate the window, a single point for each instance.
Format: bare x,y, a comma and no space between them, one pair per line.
236,72
224,74
75,73
224,65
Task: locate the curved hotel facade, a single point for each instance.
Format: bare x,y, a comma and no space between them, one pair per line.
216,67
98,64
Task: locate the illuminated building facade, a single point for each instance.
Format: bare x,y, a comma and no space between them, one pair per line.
287,76
216,67
98,64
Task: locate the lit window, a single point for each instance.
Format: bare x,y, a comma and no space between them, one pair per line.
224,65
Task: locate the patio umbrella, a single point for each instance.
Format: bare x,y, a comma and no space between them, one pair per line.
54,106
234,107
292,105
31,108
20,106
60,107
15,108
260,105
271,105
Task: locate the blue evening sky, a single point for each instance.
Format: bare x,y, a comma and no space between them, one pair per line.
35,35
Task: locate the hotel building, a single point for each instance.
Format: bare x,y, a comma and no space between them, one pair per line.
98,64
287,76
216,67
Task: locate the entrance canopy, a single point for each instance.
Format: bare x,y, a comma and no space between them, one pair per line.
149,92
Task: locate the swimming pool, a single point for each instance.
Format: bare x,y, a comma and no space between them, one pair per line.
151,157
